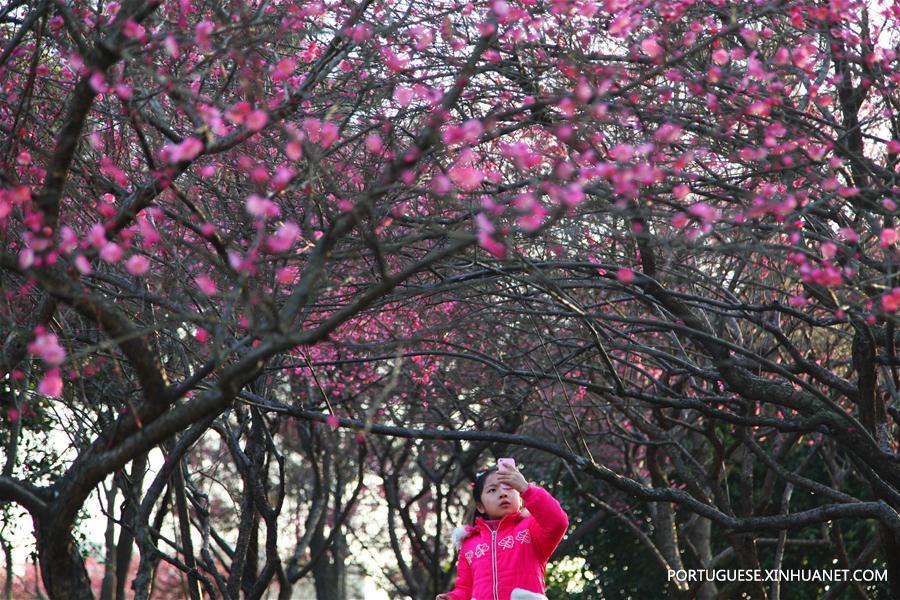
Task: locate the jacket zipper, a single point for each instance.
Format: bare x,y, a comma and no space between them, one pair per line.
494,561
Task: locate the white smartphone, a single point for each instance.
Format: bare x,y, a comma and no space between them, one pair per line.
506,464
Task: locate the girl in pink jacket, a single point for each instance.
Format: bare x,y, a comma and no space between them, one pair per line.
504,555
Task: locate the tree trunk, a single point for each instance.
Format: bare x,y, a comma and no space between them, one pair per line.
125,546
62,568
108,590
7,584
891,548
330,572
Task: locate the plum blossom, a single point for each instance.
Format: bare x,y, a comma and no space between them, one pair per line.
283,69
625,275
111,252
206,284
46,346
465,177
256,120
374,143
650,46
51,385
187,150
533,212
83,264
284,238
890,301
485,231
260,207
137,265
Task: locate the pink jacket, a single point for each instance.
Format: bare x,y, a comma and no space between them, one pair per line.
493,563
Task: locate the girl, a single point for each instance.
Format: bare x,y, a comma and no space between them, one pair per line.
504,555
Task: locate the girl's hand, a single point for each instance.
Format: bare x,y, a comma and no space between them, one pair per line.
444,597
513,479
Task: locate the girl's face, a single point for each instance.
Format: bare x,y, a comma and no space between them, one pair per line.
498,500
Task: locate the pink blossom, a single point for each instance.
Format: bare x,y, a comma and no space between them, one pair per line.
466,178
333,422
533,212
238,112
206,284
187,150
46,346
422,37
651,47
26,258
256,120
704,212
283,176
829,250
441,185
720,56
98,82
111,252
134,30
124,91
680,220
361,33
888,237
51,384
893,146
23,159
286,275
668,133
137,265
83,264
621,25
625,275
891,300
472,130
284,69
848,235
621,152
202,33
403,96
798,301
485,231
394,62
284,237
171,45
452,134
374,143
293,150
330,134
759,108
68,239
260,207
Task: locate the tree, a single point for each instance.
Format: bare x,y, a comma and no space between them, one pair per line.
655,241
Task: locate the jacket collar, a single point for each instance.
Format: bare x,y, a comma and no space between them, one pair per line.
460,534
505,521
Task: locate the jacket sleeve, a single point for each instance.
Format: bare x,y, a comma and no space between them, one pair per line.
463,588
549,521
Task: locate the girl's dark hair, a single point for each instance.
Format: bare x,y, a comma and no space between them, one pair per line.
480,479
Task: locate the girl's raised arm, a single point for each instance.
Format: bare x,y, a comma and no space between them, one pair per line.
549,522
